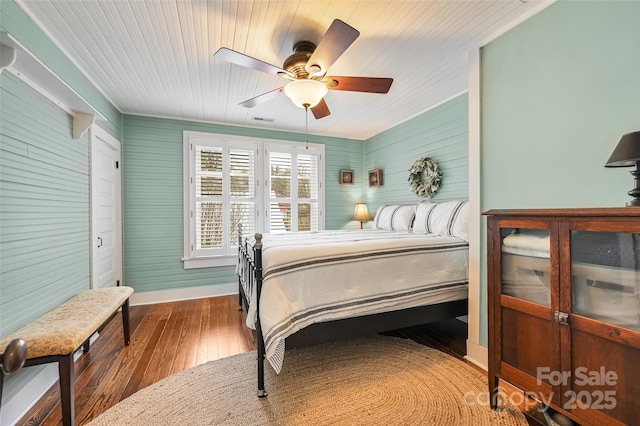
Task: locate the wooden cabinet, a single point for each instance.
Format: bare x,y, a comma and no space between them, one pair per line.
564,309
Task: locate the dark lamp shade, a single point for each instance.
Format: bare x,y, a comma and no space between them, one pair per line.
627,153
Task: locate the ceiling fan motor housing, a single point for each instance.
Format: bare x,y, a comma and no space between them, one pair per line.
296,62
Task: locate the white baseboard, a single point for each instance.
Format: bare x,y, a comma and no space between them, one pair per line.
178,294
478,355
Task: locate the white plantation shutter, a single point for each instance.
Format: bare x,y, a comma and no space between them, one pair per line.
242,193
280,192
294,188
224,183
308,188
209,213
231,180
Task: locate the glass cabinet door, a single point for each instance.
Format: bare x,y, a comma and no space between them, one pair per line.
525,265
605,269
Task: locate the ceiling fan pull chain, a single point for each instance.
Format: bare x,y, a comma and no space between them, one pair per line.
306,124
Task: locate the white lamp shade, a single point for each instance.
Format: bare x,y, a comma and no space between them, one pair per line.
361,213
303,92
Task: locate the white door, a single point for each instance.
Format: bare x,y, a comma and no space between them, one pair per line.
106,241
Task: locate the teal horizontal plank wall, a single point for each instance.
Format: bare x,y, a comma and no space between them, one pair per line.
152,189
44,190
441,133
44,211
44,206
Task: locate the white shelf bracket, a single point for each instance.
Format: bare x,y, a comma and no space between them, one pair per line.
81,123
8,56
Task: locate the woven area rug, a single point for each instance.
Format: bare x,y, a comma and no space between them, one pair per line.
373,381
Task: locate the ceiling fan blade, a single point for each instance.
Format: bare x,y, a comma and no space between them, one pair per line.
335,41
359,84
321,110
247,61
260,99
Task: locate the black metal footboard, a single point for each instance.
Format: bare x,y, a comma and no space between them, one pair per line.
250,279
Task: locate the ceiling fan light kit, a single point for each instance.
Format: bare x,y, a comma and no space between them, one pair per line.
307,68
305,93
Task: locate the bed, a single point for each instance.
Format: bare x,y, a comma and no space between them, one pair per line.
309,287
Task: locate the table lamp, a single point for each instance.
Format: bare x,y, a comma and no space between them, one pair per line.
361,214
627,154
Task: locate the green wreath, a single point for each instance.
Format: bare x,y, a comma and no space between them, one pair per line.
425,177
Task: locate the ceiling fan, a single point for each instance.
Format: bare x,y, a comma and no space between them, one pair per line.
307,69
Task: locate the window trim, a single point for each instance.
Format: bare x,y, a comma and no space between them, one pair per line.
263,147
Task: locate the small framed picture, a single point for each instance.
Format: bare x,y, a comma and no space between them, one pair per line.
346,177
375,177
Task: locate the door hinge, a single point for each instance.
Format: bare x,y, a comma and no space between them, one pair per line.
561,317
117,164
118,283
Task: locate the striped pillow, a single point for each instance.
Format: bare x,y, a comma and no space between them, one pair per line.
451,219
423,213
394,218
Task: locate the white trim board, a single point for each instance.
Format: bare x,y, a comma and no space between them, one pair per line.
478,355
179,294
40,77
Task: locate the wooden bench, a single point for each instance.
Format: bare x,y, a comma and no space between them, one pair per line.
59,333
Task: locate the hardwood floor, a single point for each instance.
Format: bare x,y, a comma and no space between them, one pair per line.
165,339
171,337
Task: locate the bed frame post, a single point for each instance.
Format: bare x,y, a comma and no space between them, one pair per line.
259,338
240,259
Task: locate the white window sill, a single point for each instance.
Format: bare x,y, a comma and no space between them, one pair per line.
210,262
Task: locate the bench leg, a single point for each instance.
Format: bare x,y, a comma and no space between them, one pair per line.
1,386
125,322
65,369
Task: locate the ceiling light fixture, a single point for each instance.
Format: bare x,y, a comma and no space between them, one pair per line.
305,93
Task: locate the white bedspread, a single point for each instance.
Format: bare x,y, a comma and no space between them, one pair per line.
323,276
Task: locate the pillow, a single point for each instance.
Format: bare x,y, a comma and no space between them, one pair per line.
421,221
394,218
450,219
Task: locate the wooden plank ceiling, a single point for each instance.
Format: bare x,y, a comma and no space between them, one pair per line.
156,57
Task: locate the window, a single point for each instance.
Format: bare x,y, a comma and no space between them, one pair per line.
293,191
231,180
